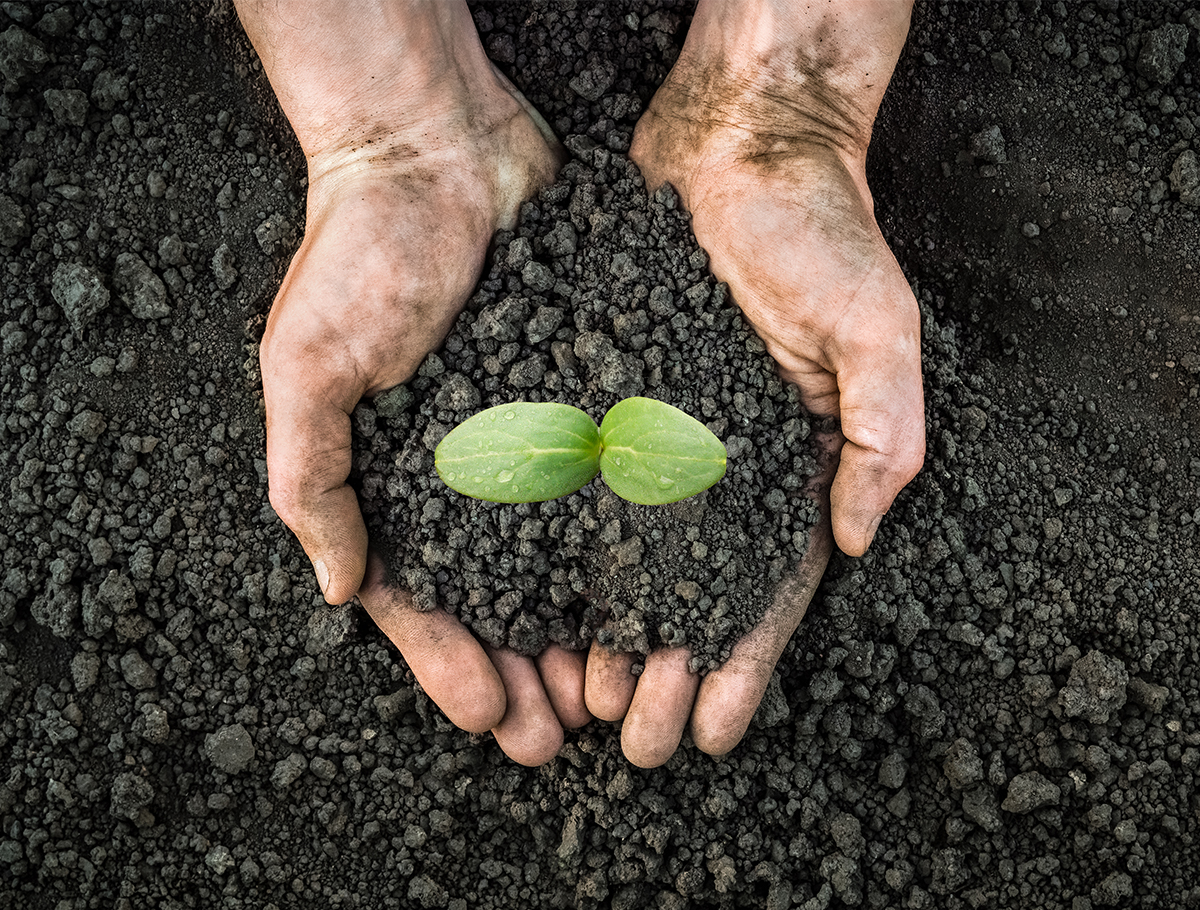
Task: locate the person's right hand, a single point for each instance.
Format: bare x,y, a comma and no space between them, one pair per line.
384,269
418,151
525,702
390,254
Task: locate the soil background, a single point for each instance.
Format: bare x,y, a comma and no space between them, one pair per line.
995,708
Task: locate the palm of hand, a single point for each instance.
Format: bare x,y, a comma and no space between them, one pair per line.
360,307
385,267
793,233
394,245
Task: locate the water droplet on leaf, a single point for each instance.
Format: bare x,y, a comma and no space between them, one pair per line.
504,477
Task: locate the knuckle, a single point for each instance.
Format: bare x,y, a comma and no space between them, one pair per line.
288,498
911,455
272,351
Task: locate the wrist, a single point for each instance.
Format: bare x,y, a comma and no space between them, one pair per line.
351,74
811,72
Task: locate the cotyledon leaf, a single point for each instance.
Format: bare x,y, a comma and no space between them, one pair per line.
653,453
520,452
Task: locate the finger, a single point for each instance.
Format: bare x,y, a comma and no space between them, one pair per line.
447,661
609,686
729,696
661,706
529,732
562,674
308,462
883,419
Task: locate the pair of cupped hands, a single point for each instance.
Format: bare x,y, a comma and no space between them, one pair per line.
397,233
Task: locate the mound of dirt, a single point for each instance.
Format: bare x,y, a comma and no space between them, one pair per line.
600,295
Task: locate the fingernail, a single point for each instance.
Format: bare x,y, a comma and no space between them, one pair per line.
322,574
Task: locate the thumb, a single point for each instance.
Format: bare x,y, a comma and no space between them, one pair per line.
865,486
883,420
308,462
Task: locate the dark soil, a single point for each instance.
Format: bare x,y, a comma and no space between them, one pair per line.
600,295
997,707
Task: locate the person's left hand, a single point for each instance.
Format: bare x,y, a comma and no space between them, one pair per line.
769,158
657,706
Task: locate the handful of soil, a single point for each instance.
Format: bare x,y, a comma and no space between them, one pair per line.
600,294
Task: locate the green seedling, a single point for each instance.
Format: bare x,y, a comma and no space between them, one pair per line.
647,452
